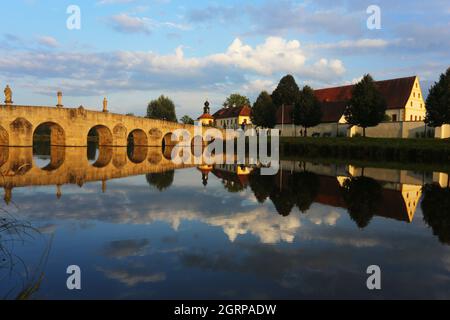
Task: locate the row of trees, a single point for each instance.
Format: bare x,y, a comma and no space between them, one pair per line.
366,108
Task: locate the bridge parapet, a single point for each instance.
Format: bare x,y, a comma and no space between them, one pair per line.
71,126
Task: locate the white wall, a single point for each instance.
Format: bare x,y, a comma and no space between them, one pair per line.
383,130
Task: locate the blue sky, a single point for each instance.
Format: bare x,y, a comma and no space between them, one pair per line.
134,50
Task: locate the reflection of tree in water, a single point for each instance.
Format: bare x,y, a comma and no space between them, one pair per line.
363,197
436,211
161,181
306,186
299,189
12,233
283,201
261,185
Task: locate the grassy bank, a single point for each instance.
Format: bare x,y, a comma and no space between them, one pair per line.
428,151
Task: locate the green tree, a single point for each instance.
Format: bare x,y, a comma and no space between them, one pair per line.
307,110
162,108
436,209
161,181
286,93
187,120
363,197
236,100
367,107
264,111
438,102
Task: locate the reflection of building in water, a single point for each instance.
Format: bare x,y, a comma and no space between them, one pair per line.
401,189
235,177
394,204
205,170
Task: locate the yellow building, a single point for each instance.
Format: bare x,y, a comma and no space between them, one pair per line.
403,96
233,117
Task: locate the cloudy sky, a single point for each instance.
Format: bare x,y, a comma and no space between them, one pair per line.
134,50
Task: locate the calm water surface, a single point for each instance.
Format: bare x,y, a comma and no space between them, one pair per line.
140,229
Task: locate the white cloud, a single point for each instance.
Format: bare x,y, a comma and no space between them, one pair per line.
48,41
258,85
139,70
128,24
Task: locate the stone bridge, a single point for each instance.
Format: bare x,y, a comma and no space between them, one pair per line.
71,126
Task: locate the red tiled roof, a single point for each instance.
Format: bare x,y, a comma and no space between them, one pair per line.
233,112
206,116
334,100
395,91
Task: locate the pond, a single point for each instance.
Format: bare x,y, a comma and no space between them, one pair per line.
140,227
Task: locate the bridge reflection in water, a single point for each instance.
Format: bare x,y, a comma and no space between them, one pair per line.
74,165
365,193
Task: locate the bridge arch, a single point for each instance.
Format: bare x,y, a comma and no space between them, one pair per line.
54,131
55,158
105,156
4,137
103,134
138,138
137,154
167,140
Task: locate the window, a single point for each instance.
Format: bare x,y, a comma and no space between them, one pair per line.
412,104
415,118
411,118
419,95
414,94
394,118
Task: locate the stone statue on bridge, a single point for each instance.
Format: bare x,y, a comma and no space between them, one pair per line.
8,95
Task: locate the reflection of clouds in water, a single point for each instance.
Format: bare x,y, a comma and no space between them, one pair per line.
135,206
262,223
125,248
323,215
236,218
133,277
